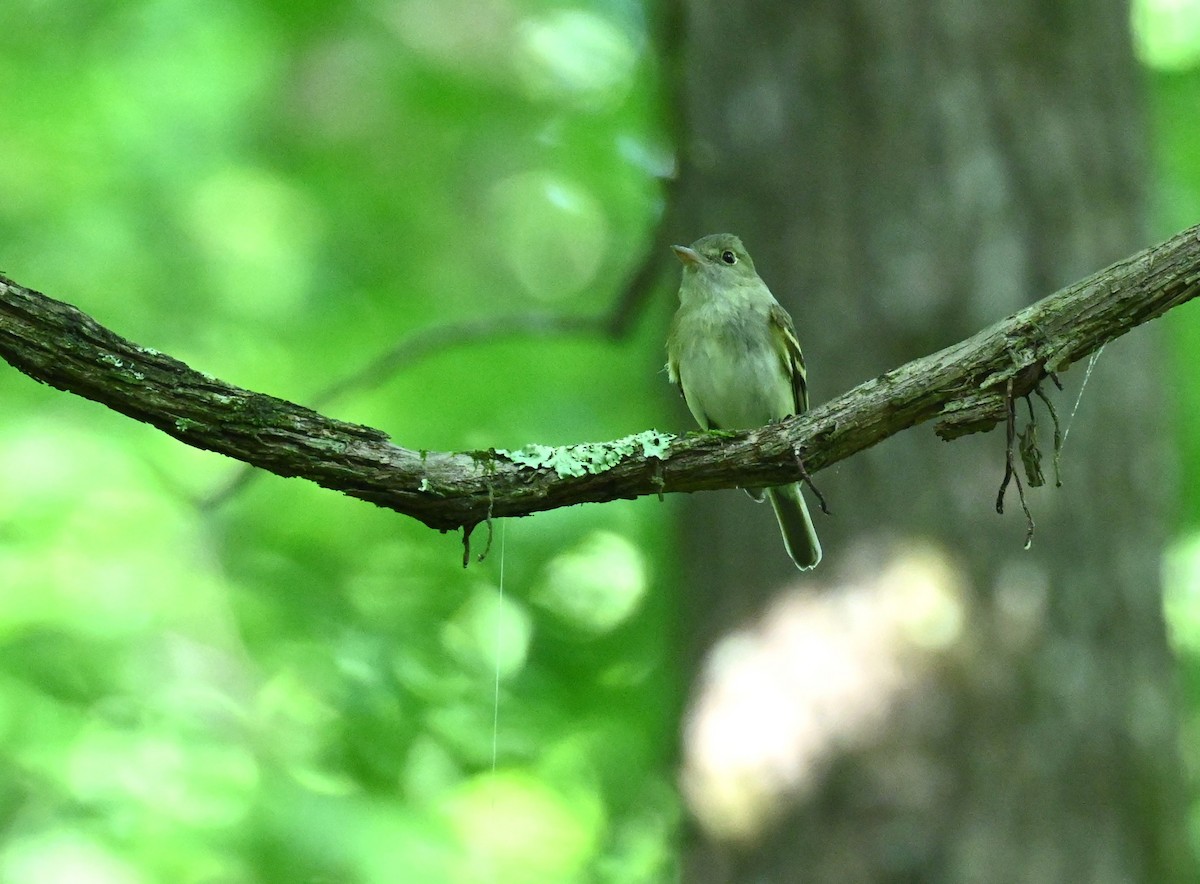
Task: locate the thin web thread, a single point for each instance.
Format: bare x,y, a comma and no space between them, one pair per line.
1071,420
499,639
491,862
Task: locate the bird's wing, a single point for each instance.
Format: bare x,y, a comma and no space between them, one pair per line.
793,358
676,378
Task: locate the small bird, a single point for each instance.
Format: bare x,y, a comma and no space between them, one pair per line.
733,352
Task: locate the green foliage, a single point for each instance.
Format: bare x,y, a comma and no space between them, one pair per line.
1169,41
1175,97
297,686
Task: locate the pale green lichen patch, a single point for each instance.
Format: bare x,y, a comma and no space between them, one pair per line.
590,457
127,369
654,443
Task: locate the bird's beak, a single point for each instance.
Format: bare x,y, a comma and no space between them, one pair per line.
688,257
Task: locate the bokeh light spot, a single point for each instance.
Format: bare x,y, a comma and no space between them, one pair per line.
597,585
555,232
1166,33
577,57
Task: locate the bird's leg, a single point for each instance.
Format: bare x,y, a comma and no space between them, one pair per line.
807,480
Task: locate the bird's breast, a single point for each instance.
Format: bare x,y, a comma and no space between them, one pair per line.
731,370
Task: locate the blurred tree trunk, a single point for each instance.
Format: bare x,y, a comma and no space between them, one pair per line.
903,175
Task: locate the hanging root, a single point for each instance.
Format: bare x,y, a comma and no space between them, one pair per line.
1031,454
657,479
1010,472
487,547
1027,383
1058,434
468,529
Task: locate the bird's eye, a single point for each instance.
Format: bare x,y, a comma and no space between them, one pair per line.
728,257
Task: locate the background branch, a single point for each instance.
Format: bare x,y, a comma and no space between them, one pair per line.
963,386
614,324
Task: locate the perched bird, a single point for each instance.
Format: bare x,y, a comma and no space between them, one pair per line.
733,352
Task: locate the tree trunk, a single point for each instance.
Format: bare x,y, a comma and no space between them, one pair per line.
904,174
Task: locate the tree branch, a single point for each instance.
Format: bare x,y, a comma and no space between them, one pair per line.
963,387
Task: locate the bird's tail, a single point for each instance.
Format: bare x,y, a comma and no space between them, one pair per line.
799,535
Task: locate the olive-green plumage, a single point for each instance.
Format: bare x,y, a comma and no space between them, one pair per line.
733,352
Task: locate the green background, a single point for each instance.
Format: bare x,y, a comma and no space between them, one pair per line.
293,685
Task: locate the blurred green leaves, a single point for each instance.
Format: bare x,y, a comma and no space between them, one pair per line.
1167,39
297,686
